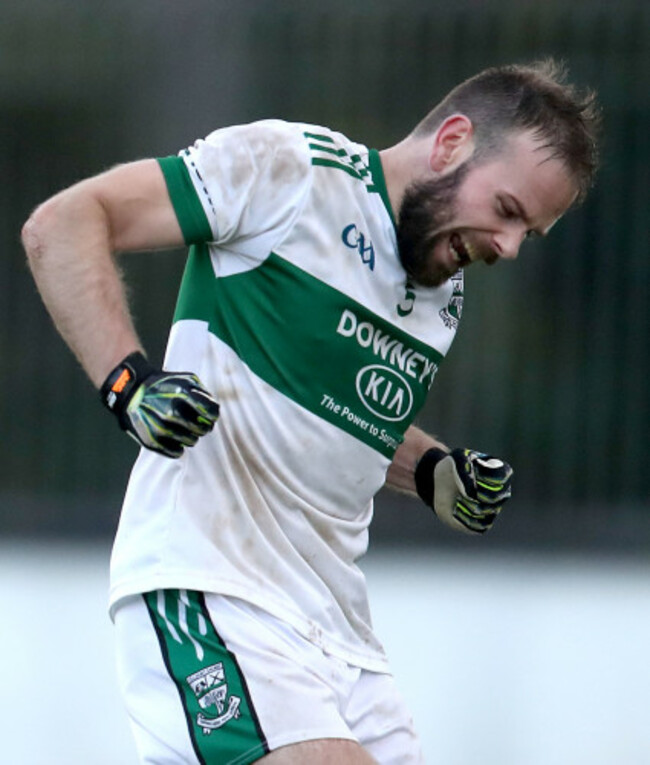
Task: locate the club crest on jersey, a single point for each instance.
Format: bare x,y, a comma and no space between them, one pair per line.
211,691
452,312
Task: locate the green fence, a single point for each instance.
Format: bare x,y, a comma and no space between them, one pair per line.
551,361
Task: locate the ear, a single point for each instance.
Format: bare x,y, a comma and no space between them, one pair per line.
453,143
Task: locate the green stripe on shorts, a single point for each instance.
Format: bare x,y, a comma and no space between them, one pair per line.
221,719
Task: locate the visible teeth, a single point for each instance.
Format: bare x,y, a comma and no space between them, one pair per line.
460,250
473,255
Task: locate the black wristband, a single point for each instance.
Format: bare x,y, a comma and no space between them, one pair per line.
424,474
123,381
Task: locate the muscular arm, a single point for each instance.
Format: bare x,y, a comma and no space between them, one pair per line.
400,474
71,241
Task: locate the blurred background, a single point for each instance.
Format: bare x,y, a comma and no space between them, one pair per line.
549,368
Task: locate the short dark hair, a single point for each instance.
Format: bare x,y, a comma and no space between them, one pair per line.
533,97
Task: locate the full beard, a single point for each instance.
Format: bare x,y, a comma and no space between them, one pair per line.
427,207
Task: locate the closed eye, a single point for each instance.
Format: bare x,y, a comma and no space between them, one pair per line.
506,211
510,209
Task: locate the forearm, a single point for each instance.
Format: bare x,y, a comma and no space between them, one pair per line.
400,475
68,245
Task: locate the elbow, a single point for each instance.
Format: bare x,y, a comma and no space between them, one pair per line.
32,238
34,232
71,217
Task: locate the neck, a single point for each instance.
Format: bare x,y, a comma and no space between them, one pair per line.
402,164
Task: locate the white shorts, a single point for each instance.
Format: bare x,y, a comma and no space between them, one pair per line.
211,679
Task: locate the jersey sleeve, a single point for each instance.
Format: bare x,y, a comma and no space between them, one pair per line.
240,184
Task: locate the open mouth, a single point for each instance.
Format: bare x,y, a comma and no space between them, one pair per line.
462,251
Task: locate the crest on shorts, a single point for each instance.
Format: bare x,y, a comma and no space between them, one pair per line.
210,688
451,314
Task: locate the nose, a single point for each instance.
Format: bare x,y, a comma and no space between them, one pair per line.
506,243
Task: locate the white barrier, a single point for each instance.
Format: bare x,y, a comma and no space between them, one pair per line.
505,660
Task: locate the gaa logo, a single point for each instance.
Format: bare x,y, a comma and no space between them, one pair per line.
384,392
356,240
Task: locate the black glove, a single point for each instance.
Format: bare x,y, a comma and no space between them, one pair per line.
163,411
466,489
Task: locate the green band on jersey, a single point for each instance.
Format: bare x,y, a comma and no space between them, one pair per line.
221,720
187,206
323,350
322,162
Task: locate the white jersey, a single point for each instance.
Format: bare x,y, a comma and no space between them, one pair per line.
295,312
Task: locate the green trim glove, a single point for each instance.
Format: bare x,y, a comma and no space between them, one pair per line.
162,411
466,489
